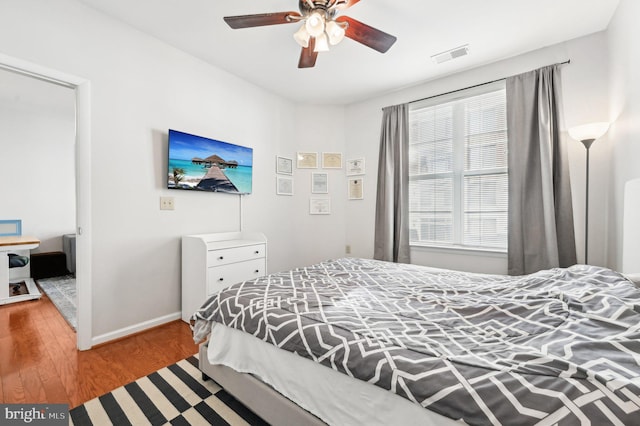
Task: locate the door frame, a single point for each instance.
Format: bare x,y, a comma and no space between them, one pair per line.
82,88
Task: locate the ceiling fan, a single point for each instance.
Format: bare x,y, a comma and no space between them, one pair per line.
321,26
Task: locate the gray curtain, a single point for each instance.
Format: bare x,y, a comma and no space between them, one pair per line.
541,234
391,242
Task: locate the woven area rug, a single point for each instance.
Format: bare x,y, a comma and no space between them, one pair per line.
62,292
175,395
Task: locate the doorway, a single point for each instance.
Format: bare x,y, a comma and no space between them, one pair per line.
37,124
52,81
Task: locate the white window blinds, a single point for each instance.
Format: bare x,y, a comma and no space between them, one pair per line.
458,170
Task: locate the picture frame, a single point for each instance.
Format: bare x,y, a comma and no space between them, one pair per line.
284,185
355,167
331,160
10,228
284,165
320,206
319,183
355,188
307,160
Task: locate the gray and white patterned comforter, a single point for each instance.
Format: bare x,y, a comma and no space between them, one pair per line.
560,346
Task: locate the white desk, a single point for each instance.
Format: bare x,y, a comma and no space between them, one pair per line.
7,245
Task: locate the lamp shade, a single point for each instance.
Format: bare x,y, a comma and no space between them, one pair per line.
302,36
315,24
589,131
322,44
336,32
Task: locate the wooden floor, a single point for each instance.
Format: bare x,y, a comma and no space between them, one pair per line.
39,362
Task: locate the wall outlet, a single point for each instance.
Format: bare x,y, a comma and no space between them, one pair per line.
347,249
167,203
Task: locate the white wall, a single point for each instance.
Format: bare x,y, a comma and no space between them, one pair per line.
140,88
585,98
318,237
624,64
298,238
37,142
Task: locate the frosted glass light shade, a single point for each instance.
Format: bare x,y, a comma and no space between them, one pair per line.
302,36
589,131
335,32
322,44
315,24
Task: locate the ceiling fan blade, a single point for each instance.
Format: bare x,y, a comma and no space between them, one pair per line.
369,36
308,56
262,19
345,4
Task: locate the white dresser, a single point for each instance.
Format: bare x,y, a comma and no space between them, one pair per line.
211,262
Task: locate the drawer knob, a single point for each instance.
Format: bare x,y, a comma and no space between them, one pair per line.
257,270
221,258
220,279
257,251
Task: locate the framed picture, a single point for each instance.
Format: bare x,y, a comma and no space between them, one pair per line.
355,186
355,167
10,228
307,160
331,160
319,183
319,206
284,165
284,185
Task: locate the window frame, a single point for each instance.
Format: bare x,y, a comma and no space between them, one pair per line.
458,172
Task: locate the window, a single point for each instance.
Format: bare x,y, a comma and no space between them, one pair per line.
458,170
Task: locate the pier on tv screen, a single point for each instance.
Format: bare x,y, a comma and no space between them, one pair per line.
197,163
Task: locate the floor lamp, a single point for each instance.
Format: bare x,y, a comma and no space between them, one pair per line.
587,134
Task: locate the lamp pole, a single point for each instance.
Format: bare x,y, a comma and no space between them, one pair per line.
587,134
587,144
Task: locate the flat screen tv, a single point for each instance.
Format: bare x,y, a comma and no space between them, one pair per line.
197,163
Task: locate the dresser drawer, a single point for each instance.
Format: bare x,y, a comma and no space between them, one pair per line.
220,277
235,254
212,262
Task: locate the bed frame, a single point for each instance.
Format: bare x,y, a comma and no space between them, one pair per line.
260,398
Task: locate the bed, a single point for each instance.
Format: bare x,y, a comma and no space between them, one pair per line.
358,341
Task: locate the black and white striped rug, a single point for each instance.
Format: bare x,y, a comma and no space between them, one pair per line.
174,395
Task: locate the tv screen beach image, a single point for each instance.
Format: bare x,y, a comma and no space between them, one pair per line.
202,164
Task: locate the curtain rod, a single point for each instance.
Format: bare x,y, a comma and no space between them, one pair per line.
476,85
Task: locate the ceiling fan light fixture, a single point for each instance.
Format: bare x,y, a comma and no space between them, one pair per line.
335,31
320,24
315,24
302,36
322,44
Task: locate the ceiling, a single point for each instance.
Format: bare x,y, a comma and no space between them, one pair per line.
350,72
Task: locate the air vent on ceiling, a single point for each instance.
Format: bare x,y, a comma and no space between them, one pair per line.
451,54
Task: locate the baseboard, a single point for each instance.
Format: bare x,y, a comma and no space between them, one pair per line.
136,328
